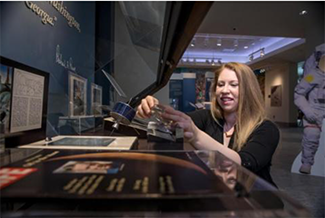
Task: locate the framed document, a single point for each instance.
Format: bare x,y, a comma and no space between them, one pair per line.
77,95
96,99
24,96
27,101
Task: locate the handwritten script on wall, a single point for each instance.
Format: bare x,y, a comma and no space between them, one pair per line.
59,59
48,19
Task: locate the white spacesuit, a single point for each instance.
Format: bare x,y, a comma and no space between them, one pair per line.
310,99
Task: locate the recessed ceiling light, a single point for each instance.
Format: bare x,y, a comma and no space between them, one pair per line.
236,43
246,47
219,42
303,12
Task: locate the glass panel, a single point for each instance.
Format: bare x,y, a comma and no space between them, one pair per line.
226,190
137,37
96,54
246,184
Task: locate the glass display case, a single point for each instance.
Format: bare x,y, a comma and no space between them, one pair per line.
114,184
92,56
95,53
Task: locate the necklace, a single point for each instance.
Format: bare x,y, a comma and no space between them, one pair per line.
228,134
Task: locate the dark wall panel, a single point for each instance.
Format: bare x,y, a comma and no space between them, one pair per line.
26,39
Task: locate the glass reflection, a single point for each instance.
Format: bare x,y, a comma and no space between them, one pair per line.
226,171
120,60
234,176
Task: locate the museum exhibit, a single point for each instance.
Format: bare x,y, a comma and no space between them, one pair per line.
162,109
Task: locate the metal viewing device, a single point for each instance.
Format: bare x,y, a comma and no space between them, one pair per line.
122,113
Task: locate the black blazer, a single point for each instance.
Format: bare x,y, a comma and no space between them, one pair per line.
256,155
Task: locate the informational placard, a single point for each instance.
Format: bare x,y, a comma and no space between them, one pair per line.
27,101
114,174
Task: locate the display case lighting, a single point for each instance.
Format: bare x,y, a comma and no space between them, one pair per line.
193,43
219,42
236,43
261,51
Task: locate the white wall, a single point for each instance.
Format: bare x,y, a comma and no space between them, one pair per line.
281,73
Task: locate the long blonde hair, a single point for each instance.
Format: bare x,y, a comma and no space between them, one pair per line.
251,110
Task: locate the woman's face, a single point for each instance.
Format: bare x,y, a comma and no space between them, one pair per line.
227,91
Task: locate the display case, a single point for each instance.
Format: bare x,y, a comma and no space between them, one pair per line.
96,54
70,183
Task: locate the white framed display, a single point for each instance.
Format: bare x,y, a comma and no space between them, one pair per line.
77,95
86,143
27,101
96,99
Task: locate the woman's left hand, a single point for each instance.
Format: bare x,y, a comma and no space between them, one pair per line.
183,121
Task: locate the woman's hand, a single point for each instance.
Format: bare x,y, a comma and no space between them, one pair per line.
183,121
179,118
144,109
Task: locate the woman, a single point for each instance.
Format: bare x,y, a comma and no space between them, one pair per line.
236,125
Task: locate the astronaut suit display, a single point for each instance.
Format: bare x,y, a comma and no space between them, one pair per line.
310,99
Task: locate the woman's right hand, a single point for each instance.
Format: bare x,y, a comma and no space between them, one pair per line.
144,109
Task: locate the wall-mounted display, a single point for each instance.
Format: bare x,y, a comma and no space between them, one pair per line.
96,99
77,95
23,96
276,96
200,87
27,101
5,95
